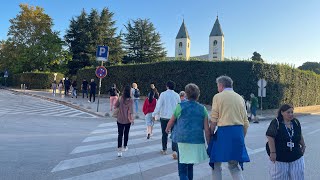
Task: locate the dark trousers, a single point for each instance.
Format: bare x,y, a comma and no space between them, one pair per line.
84,91
66,90
93,93
164,123
185,170
123,129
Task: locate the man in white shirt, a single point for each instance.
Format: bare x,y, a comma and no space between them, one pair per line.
165,107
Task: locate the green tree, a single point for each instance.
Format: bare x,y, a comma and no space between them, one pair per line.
77,38
311,66
142,42
86,32
36,46
256,57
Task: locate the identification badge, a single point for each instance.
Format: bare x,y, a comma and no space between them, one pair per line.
290,145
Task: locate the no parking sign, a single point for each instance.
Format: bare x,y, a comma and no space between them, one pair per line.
101,72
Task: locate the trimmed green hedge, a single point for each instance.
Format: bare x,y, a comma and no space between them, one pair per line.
285,84
38,80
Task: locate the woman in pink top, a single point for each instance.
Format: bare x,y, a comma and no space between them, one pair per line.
148,108
124,119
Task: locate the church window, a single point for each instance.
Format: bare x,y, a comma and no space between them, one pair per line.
180,44
188,45
215,42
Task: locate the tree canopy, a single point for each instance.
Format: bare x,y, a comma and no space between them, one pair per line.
311,66
256,57
142,42
32,44
86,32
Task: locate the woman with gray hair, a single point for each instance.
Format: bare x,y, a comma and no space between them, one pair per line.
190,116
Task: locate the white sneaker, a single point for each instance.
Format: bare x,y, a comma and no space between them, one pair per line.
119,154
125,148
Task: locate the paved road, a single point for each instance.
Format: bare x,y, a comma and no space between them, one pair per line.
48,146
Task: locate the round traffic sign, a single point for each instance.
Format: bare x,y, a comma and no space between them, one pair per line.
101,72
262,83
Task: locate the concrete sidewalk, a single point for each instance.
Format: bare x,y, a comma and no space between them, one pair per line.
104,103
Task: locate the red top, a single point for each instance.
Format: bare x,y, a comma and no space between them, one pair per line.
149,107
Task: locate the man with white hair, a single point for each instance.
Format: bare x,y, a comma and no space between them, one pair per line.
227,143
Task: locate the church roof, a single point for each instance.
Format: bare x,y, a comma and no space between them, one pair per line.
183,33
216,30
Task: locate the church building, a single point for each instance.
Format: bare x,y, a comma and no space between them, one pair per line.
216,43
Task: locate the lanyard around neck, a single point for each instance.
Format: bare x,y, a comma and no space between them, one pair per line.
292,131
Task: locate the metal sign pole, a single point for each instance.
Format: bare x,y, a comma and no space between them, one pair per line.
99,90
261,100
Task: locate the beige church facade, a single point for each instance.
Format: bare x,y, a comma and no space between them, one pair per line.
216,43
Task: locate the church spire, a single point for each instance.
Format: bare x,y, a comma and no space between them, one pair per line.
216,30
183,33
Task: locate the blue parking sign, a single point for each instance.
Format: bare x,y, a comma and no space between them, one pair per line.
102,53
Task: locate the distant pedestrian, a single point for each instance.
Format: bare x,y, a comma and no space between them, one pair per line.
155,90
192,123
135,94
114,95
54,88
165,107
182,95
227,143
253,108
84,87
74,89
285,146
60,86
148,107
67,85
93,88
124,119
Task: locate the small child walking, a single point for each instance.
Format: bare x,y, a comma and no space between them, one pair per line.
148,108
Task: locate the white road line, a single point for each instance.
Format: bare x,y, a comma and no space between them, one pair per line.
312,132
255,151
88,160
131,168
114,144
114,136
115,129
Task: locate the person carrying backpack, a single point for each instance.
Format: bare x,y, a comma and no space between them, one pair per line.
135,94
285,146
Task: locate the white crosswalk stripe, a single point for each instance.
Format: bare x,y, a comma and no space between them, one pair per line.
104,139
42,107
96,157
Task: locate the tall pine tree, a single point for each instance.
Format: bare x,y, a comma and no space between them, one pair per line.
86,32
77,37
142,42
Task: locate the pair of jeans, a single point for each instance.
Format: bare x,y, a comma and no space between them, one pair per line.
136,104
74,92
233,167
84,91
93,93
185,170
123,130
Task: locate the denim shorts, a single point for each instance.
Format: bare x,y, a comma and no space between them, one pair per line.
149,121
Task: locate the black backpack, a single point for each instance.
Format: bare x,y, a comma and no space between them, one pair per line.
136,93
